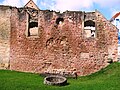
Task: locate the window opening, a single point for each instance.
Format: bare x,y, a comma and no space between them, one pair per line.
33,29
59,21
89,28
32,23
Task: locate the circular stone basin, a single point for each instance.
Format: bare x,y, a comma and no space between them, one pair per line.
55,80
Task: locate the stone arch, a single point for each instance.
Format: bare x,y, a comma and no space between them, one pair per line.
59,20
89,29
89,23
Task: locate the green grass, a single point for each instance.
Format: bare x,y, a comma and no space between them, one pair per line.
106,79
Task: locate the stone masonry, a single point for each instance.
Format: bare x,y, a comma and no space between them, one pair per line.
42,41
5,28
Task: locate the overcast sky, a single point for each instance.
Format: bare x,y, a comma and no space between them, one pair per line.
107,7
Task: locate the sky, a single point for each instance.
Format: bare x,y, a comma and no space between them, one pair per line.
107,7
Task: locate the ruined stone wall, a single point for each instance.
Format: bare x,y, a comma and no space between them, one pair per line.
107,35
60,45
5,27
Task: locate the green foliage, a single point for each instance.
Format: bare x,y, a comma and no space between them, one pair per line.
106,79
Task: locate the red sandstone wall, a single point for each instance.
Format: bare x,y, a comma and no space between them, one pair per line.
107,35
60,46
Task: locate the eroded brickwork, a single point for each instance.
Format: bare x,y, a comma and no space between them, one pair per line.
58,43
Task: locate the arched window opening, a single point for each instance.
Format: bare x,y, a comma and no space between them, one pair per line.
33,24
59,21
89,28
89,23
33,29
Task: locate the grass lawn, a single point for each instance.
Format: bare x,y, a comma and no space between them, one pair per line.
106,79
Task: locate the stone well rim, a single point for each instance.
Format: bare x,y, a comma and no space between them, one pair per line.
61,80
